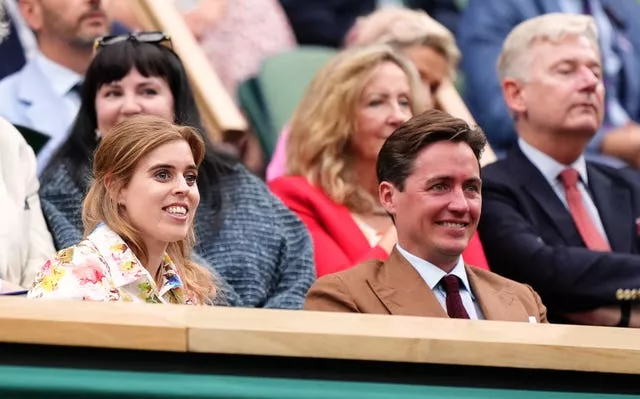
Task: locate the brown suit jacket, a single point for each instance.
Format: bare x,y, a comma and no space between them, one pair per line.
395,287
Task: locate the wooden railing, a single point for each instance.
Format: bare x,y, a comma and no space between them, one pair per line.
320,335
218,111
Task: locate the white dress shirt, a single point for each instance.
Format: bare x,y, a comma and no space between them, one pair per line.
432,274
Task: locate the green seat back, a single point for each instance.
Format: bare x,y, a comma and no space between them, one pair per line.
283,79
252,104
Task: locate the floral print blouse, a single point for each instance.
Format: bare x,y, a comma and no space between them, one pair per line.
102,267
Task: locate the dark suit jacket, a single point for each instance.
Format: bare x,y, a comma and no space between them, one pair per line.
395,287
529,235
324,22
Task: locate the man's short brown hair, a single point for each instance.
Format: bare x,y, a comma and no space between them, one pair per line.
398,153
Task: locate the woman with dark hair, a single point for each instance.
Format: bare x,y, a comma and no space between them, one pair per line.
261,251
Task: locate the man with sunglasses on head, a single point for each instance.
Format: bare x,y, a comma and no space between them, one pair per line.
45,94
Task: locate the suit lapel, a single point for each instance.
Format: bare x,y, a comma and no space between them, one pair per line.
403,291
614,206
495,304
534,183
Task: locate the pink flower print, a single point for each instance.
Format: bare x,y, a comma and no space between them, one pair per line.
88,273
46,267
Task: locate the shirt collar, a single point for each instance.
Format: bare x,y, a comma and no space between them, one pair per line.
125,267
549,167
432,274
62,78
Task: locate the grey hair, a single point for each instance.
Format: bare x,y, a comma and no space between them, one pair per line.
4,25
554,27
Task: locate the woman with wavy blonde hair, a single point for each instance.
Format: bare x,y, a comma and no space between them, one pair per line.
138,218
351,106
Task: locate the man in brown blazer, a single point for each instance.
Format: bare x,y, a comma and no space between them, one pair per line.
430,185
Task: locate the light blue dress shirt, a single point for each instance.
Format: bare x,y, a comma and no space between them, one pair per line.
551,169
432,274
62,81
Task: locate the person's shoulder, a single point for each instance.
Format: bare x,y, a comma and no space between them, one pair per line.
621,176
245,193
500,171
298,188
289,184
10,83
58,178
497,281
358,274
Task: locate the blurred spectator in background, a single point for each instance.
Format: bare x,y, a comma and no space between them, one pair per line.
25,242
483,29
43,95
21,45
262,252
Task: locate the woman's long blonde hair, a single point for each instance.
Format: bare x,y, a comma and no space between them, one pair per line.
114,163
323,124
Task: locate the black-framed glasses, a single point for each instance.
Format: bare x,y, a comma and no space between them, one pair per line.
155,37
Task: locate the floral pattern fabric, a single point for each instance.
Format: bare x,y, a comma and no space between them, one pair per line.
103,268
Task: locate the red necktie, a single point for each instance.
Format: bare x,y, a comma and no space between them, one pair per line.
588,231
455,308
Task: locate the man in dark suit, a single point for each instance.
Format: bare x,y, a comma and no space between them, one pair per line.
567,227
430,184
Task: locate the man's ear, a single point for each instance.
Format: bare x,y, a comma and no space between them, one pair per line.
31,11
387,195
513,93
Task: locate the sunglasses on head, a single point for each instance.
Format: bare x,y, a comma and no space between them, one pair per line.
155,37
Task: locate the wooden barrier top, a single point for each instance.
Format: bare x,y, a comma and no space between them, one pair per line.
320,335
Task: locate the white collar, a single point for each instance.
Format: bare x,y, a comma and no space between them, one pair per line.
432,274
549,167
62,78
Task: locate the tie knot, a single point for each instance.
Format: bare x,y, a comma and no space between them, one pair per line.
451,284
569,177
77,88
